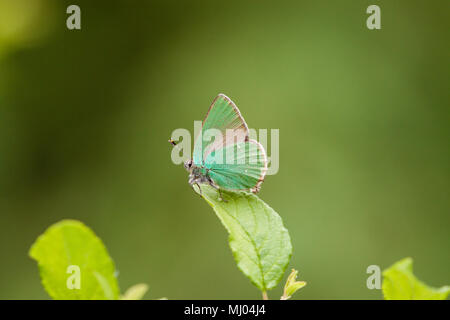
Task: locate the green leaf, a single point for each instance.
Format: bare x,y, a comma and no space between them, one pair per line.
399,283
135,292
292,285
260,243
66,248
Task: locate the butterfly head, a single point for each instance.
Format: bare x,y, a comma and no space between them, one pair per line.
189,165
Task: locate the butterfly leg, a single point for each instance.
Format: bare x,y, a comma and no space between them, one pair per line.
199,189
221,197
211,183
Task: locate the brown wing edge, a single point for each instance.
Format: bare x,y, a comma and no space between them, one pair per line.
257,187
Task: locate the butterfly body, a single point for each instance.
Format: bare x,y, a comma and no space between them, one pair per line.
230,161
198,175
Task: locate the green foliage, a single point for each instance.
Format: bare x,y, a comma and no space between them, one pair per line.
292,285
135,292
399,283
260,243
71,243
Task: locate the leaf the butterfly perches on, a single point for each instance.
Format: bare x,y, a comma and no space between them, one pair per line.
224,156
260,243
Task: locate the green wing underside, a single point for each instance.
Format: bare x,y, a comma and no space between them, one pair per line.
240,166
222,115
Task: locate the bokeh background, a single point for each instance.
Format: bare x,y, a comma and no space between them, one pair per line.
364,136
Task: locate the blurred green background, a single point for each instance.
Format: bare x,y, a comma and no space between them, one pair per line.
364,136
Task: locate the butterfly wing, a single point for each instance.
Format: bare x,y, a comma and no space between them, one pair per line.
244,170
223,115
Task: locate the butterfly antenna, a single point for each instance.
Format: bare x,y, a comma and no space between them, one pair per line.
172,142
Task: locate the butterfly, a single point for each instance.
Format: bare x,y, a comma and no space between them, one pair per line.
230,161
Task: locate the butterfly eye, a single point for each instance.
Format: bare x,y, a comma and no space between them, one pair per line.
188,164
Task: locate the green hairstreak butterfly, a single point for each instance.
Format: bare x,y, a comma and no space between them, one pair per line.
230,161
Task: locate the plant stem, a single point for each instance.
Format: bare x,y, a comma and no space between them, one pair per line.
265,296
